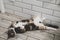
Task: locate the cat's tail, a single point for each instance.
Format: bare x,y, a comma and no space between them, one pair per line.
52,26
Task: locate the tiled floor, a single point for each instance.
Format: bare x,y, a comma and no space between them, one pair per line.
6,20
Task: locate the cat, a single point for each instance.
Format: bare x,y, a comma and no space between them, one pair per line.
36,23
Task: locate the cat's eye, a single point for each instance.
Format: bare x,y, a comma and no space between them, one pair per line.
16,21
39,21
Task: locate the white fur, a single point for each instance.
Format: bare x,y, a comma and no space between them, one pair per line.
37,19
50,28
41,25
20,24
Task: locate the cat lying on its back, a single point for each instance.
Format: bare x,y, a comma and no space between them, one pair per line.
36,23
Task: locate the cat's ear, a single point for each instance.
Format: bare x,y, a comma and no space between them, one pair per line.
43,18
33,17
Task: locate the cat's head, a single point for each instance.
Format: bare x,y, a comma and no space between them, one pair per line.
38,20
11,33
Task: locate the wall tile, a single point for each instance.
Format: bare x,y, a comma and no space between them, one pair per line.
8,2
52,6
33,2
9,10
25,16
31,12
13,7
57,2
56,13
39,9
50,1
18,0
23,5
57,38
2,39
51,17
30,38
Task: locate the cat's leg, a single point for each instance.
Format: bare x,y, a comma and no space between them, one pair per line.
50,28
42,27
46,28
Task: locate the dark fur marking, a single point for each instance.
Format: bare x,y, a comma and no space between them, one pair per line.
11,33
18,30
17,21
50,25
40,22
25,20
32,26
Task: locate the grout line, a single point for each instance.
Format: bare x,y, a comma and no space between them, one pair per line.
3,27
55,1
32,37
2,38
26,37
31,6
22,10
42,4
48,2
54,37
53,13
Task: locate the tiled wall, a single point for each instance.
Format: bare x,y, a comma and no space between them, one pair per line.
50,9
